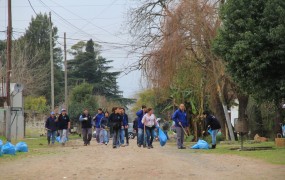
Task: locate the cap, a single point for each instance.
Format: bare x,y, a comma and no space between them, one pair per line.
63,110
52,113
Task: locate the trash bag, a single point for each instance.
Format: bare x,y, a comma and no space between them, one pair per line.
57,139
1,144
8,148
162,137
21,147
201,144
283,130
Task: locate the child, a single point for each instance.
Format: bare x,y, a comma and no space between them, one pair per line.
104,139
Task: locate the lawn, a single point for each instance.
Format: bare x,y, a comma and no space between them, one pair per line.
274,156
37,146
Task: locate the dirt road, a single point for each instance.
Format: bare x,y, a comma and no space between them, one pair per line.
102,162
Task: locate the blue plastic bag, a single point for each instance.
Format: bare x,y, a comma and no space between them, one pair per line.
21,147
283,130
162,137
1,144
201,144
57,139
8,148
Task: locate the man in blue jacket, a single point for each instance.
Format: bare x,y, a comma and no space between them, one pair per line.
51,128
180,119
140,115
97,123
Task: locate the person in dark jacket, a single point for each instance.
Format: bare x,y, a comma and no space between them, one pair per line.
97,120
125,127
86,125
116,121
212,123
63,126
181,122
140,115
104,139
51,128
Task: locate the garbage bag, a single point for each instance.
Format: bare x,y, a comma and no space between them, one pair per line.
21,147
57,139
162,137
1,144
201,144
8,148
283,130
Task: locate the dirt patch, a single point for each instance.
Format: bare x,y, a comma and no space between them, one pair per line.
102,162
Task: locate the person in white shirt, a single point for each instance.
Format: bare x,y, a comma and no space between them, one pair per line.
149,122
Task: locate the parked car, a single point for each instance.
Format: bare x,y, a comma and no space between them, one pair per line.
131,132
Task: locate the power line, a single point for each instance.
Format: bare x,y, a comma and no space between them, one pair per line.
32,7
88,21
64,20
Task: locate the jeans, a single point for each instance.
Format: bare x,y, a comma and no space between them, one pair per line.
214,136
116,134
87,135
51,134
180,137
63,137
98,135
104,136
140,136
127,135
150,135
122,136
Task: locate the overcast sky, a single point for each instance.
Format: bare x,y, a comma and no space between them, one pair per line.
102,20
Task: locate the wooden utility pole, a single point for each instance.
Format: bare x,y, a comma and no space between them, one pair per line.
51,63
65,76
8,71
9,45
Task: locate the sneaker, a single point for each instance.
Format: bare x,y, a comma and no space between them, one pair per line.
144,146
151,146
106,143
114,147
139,145
122,145
85,144
148,147
88,143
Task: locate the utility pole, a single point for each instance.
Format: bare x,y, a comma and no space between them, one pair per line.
8,71
51,63
65,76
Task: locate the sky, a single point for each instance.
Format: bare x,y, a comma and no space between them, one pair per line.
105,21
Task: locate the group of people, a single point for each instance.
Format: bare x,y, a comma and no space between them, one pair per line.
116,124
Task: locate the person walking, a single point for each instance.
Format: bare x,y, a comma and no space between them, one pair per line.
140,115
63,126
104,139
150,123
116,121
181,122
126,125
213,123
97,120
86,124
51,128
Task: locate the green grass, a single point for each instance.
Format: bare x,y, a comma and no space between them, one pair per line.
37,146
274,156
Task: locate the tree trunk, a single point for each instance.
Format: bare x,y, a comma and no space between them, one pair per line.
243,101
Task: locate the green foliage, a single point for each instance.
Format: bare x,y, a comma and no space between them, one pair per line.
81,97
88,66
36,104
252,42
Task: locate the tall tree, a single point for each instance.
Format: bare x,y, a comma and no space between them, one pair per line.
251,41
88,66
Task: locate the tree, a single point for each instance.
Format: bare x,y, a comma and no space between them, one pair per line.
34,47
88,66
80,98
251,41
